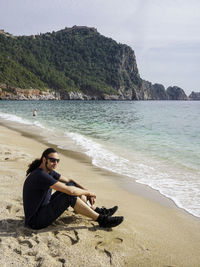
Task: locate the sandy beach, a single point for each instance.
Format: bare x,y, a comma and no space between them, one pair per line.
154,233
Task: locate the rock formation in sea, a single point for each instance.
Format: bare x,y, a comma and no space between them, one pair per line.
151,91
176,93
194,96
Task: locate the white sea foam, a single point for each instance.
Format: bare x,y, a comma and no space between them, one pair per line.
14,118
17,119
38,124
100,156
183,192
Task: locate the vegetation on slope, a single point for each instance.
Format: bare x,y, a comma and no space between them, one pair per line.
73,59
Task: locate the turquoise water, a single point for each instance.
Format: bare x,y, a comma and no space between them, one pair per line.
153,142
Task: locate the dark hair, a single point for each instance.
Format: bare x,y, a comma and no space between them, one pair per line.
36,163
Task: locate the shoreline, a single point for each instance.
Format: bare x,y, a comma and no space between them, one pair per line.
125,182
152,234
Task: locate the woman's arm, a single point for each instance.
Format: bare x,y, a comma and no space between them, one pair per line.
72,190
90,198
67,180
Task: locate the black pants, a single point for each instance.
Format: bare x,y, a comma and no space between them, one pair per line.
47,214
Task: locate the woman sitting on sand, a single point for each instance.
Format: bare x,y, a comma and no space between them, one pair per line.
42,208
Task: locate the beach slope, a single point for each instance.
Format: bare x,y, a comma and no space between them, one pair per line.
152,234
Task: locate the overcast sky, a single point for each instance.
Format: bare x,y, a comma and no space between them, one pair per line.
165,34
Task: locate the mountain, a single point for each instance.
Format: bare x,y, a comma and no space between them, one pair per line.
73,63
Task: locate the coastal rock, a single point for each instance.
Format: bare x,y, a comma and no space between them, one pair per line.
151,91
64,95
159,92
111,97
194,96
176,93
130,81
79,96
147,91
11,93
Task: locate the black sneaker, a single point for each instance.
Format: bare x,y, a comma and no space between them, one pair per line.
109,222
108,212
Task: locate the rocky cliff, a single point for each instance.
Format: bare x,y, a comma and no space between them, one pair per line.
130,81
148,92
11,93
74,63
176,93
194,96
151,91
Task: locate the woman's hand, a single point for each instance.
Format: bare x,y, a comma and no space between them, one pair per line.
91,199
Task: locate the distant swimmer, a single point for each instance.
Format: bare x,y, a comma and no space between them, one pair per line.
35,112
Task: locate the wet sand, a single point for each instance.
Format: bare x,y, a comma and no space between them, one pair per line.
154,233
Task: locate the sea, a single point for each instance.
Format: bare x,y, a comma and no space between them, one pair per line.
155,143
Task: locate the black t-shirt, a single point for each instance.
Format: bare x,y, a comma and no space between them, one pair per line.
37,191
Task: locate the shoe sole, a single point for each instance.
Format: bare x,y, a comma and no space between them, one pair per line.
113,224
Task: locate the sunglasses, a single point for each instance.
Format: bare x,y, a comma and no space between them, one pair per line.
53,160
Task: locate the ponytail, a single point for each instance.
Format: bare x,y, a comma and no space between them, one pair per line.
37,162
34,165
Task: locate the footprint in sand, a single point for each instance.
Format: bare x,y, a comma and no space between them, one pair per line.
26,243
14,155
26,247
12,208
110,242
105,246
75,239
18,251
53,248
9,207
32,253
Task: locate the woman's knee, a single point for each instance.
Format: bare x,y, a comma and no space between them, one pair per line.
63,200
71,200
